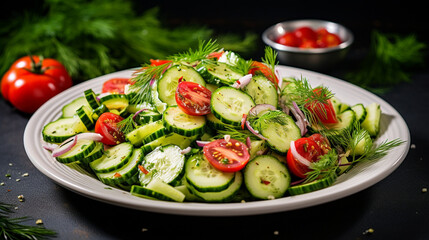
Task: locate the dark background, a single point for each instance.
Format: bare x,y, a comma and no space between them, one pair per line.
395,208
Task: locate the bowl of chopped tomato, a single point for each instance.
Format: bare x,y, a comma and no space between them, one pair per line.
311,44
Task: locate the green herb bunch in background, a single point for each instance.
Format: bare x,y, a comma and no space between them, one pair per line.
389,61
92,38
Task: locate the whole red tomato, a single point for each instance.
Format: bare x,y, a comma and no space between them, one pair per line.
32,80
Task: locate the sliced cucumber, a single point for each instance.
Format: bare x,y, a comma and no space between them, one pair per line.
170,138
221,196
140,135
372,119
147,116
204,177
228,104
166,163
125,173
360,112
266,177
170,79
279,129
116,103
157,189
82,148
262,91
362,143
61,129
313,186
85,115
96,153
91,98
218,73
113,158
257,147
345,125
175,120
216,124
69,110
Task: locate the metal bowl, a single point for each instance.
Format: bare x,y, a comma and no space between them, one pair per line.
317,59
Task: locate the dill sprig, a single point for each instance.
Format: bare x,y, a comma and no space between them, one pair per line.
127,125
325,166
191,56
237,134
12,228
388,61
270,59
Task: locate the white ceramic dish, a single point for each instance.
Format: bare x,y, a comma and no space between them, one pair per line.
362,176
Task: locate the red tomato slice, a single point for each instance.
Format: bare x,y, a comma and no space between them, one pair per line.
115,85
308,149
289,39
193,99
106,125
322,141
227,156
158,62
324,111
261,68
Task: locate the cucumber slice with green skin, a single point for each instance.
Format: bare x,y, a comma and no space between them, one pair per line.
214,123
266,177
218,73
313,186
82,148
345,125
222,196
362,144
257,147
147,116
279,129
61,129
175,120
170,138
91,98
262,90
167,84
96,153
157,189
113,158
138,136
203,177
228,104
98,111
360,112
166,163
116,103
85,115
69,110
372,119
126,172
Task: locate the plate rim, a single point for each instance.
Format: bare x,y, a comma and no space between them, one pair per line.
33,148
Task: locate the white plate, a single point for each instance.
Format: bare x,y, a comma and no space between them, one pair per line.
362,176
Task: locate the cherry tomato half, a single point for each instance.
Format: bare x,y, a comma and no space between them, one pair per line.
261,68
115,85
106,125
323,111
322,141
227,156
193,99
289,39
308,149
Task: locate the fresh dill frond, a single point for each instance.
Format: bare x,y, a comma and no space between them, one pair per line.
270,59
127,125
267,119
203,50
242,66
327,164
12,228
237,134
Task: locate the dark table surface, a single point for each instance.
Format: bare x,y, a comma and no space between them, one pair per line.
395,208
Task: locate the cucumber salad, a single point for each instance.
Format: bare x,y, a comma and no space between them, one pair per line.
207,125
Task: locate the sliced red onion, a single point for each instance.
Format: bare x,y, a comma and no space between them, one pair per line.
301,121
227,137
298,156
90,136
138,112
248,143
49,146
152,81
254,131
186,150
259,108
65,146
202,143
243,81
